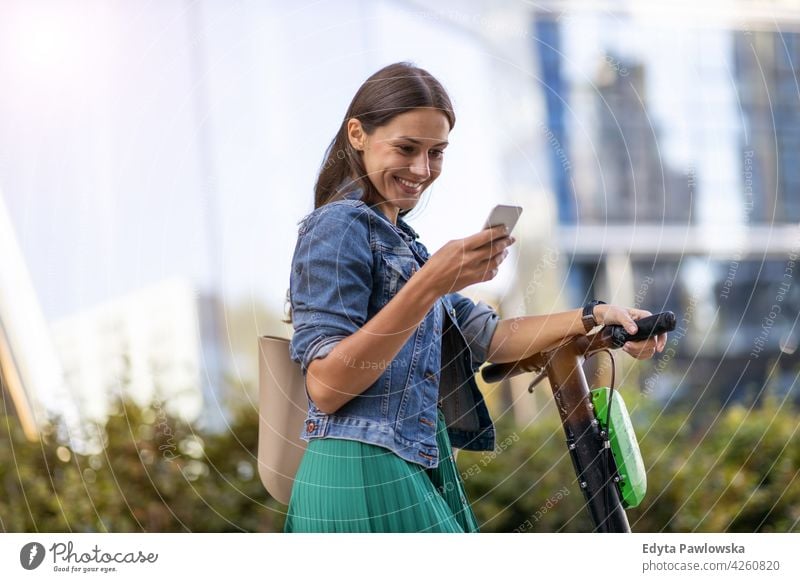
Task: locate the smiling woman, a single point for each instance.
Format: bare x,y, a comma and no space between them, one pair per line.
380,432
386,343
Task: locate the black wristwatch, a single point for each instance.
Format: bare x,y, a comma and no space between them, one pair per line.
589,322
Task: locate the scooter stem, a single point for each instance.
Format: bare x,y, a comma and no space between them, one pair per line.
584,441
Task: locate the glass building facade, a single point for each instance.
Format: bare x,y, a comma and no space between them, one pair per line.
681,183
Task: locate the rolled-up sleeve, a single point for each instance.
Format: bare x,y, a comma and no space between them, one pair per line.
331,280
478,322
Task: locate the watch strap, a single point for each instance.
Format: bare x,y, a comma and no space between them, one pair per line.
589,322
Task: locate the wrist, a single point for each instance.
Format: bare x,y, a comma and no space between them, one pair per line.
424,288
593,314
599,313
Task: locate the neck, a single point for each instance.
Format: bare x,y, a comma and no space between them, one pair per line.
389,211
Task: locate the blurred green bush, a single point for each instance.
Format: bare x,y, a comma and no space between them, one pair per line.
731,469
734,469
155,474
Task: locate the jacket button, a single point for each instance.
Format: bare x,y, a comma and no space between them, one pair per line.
311,426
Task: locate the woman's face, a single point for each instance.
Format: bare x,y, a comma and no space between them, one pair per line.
403,157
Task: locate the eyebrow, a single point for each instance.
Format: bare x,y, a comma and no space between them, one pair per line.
418,142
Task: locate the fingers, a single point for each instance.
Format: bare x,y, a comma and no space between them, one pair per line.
491,266
490,235
500,253
488,248
645,349
626,320
641,350
638,313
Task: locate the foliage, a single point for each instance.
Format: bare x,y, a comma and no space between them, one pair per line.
155,474
735,469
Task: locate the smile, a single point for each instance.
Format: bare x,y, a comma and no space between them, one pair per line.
410,187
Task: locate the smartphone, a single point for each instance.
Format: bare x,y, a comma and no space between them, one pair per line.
503,214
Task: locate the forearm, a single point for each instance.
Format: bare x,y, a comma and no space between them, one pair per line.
519,337
357,361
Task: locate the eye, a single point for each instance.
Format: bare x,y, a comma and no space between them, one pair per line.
406,149
437,154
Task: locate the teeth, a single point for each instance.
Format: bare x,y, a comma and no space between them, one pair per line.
409,184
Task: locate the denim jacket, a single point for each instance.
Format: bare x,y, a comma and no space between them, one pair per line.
349,262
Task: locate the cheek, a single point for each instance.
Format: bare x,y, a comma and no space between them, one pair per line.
377,157
391,163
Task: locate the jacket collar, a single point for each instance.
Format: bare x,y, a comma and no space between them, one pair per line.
402,227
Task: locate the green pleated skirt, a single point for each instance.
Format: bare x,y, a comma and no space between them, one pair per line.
350,486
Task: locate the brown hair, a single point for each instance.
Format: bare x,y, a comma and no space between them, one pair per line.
393,90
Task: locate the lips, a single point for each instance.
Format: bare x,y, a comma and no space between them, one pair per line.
408,186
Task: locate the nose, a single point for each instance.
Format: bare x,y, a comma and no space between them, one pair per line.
420,166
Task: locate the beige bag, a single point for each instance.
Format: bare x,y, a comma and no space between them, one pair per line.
282,410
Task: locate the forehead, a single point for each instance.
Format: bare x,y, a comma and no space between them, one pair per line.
418,123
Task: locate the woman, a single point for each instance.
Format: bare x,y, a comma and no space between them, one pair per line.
387,344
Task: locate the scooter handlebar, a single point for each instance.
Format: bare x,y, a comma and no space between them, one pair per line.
648,327
611,336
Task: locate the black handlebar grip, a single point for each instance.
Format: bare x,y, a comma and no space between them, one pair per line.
495,372
652,325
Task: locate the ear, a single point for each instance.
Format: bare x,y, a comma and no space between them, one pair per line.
355,134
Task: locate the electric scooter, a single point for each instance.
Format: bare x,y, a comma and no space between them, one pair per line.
600,438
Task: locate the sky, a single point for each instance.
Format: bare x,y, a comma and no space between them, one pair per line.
178,138
145,141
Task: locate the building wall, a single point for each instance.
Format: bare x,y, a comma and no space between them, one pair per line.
680,193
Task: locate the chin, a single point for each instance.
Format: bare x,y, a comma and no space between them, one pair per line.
407,206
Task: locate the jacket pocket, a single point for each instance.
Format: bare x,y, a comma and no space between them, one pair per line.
399,266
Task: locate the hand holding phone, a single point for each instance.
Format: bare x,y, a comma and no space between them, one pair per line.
505,215
474,259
